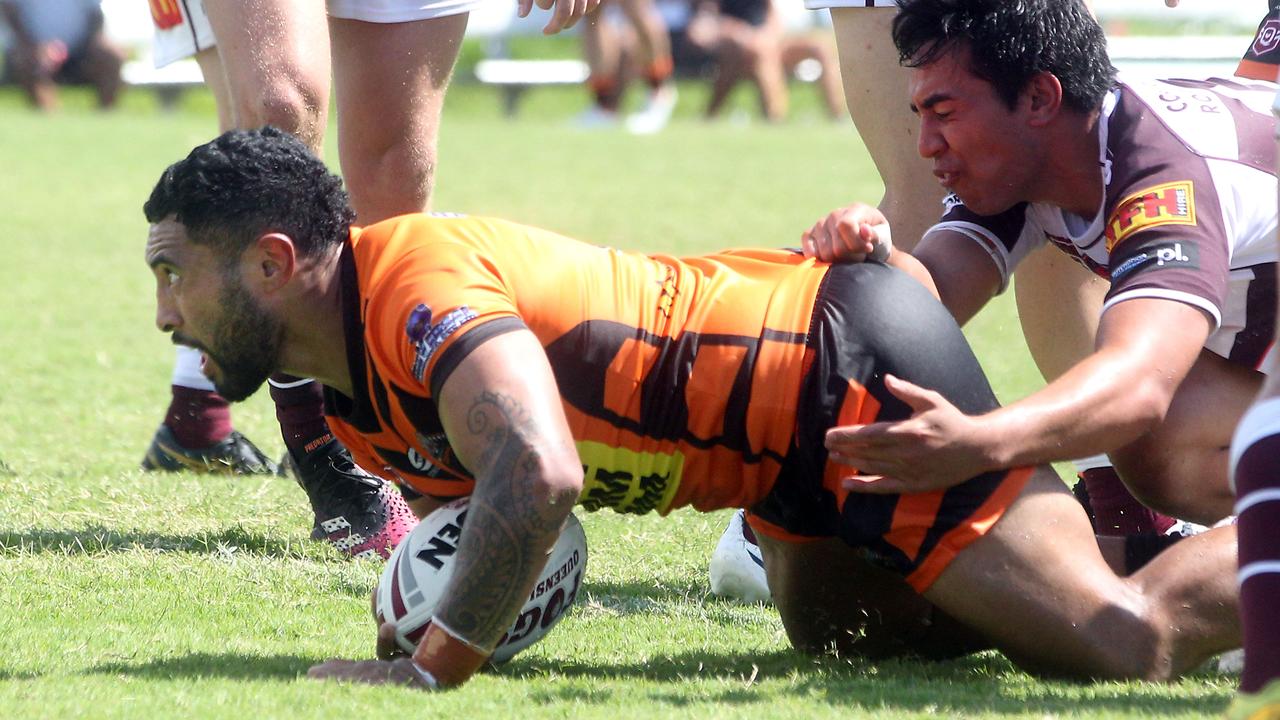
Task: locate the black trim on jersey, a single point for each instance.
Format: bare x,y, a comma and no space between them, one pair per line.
381,404
191,24
355,411
420,411
1006,226
462,347
780,336
581,358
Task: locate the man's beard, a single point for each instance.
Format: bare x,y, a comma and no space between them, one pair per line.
248,343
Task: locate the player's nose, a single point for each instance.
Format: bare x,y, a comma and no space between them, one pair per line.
930,142
167,317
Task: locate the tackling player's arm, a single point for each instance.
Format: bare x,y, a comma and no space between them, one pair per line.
1145,348
953,267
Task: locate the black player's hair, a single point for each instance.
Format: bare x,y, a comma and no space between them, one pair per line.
244,183
1010,42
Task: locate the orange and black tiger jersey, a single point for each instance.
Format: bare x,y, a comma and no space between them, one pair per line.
706,381
679,377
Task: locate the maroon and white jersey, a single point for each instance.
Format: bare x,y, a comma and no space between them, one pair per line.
1189,211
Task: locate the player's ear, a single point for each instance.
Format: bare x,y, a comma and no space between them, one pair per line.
273,260
1043,98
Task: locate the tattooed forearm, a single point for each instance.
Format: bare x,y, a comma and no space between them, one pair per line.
514,518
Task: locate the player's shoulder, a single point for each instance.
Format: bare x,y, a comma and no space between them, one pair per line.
1151,121
414,238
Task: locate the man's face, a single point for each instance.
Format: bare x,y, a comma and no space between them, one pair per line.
981,150
201,300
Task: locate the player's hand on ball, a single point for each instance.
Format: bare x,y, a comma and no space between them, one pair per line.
393,665
848,234
936,448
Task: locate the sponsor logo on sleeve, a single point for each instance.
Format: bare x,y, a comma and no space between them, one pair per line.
427,336
1159,256
1168,204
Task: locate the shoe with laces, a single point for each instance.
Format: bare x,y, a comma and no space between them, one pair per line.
737,567
233,454
361,515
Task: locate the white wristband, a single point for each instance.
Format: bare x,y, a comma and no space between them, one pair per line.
425,674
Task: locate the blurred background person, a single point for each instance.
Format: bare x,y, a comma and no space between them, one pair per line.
616,53
60,42
748,40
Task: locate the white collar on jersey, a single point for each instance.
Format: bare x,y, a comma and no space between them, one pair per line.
1104,120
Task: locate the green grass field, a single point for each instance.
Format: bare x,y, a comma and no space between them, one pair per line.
128,595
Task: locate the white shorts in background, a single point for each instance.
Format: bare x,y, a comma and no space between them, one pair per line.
831,4
396,11
182,30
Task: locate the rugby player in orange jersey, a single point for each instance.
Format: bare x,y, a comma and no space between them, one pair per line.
479,357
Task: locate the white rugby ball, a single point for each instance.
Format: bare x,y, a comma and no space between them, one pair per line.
418,571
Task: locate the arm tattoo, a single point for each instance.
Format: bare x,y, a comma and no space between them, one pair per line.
510,526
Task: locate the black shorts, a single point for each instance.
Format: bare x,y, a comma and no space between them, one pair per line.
869,320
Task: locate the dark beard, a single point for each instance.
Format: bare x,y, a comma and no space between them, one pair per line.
248,344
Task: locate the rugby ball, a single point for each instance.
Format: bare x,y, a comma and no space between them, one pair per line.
418,571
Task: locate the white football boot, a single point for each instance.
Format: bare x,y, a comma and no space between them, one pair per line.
736,567
655,114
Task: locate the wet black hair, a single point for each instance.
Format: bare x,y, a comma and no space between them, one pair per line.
244,183
1010,42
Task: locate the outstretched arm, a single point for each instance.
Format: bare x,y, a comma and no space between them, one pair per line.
950,265
1145,348
503,416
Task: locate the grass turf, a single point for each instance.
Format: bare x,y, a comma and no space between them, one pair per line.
132,595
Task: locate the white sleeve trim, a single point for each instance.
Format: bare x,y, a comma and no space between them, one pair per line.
1177,295
984,238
